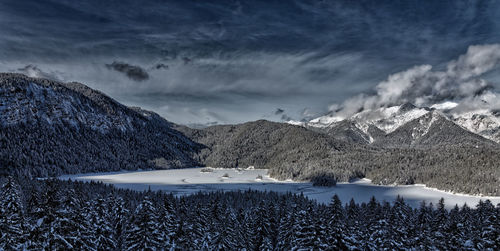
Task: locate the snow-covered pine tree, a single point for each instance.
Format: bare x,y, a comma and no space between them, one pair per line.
143,230
488,226
353,228
423,224
400,217
336,224
72,228
12,223
103,234
168,222
320,220
438,226
119,215
455,229
262,228
373,215
200,235
224,237
305,232
44,235
287,227
184,227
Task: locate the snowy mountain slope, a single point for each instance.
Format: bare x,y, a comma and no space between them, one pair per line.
430,130
23,100
483,122
349,131
388,119
49,128
359,127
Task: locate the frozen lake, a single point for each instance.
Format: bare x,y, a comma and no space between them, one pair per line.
187,181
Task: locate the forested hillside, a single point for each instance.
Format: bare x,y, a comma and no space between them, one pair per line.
294,152
62,215
50,128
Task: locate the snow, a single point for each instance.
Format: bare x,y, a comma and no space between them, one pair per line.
482,122
393,119
325,121
297,123
388,119
191,180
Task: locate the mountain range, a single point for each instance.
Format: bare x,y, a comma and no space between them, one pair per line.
408,125
50,128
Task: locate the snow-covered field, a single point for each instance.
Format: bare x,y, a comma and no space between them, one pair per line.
191,180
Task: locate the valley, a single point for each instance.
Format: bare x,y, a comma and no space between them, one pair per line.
189,181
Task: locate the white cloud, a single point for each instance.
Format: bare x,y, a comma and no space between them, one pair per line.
460,82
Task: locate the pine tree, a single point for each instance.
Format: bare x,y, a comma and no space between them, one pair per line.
104,234
118,219
184,229
455,229
336,224
262,228
424,223
200,235
287,228
72,226
143,231
400,216
168,223
438,226
12,224
373,216
353,225
46,233
305,232
224,238
488,223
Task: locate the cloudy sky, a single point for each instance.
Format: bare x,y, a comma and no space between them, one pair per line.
195,62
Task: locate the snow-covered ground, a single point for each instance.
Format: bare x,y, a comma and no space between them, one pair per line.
191,180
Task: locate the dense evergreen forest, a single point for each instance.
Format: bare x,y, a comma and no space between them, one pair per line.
65,215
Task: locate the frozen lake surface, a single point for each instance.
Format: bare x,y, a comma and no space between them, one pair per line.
191,180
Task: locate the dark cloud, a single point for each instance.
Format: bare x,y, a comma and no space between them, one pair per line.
244,56
133,72
279,111
160,66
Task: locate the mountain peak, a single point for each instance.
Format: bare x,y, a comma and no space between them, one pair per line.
406,107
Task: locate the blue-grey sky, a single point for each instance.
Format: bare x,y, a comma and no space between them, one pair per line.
207,62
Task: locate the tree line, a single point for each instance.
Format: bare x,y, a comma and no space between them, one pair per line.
60,215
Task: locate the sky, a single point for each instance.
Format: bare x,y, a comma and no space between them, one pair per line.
203,63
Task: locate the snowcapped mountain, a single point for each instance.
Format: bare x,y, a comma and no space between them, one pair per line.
483,122
429,130
370,126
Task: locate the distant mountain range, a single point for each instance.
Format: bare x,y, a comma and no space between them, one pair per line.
408,125
50,128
